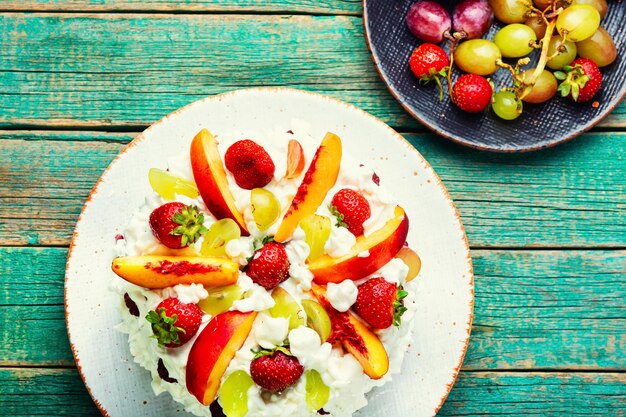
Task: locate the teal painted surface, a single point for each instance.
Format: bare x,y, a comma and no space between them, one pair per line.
121,70
570,196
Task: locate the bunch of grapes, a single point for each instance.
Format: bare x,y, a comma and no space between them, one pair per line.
566,35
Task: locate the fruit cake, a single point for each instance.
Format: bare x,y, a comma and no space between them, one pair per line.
266,274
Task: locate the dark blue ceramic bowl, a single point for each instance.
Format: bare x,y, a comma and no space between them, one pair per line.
540,126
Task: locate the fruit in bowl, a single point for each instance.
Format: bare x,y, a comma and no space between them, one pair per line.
266,275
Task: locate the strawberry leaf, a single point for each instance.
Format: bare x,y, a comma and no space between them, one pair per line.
163,328
333,210
191,225
560,75
398,306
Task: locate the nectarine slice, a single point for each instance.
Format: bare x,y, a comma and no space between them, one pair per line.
382,245
213,350
355,337
319,178
157,271
208,171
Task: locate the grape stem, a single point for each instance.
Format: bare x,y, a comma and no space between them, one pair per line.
543,60
454,40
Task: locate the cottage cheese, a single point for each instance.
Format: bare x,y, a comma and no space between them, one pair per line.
338,369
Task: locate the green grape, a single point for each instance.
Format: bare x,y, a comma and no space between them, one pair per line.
601,5
514,40
578,22
234,394
563,58
544,88
166,184
477,56
316,231
506,105
317,393
219,234
510,11
317,318
286,307
220,299
265,208
599,48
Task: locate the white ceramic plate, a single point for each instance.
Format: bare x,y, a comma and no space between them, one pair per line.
121,388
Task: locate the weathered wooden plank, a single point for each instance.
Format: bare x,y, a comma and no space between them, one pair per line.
526,301
205,6
570,196
126,70
60,392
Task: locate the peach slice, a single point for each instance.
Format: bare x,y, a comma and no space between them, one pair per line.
318,180
157,271
382,245
355,337
208,171
213,350
295,159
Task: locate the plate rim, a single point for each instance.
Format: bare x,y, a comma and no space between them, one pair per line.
376,60
277,90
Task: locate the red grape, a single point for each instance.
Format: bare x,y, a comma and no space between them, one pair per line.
472,17
428,20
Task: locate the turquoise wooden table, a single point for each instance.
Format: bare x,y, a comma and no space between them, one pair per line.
79,79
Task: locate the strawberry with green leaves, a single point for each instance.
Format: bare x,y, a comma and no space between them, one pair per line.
275,370
430,63
380,303
174,323
351,210
580,81
177,225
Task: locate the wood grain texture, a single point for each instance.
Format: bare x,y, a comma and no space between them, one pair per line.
130,70
204,6
60,392
533,309
570,196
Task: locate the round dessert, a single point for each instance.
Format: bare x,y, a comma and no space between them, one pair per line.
266,274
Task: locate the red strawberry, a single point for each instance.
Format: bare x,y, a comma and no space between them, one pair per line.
174,322
581,80
269,266
472,93
429,62
249,163
351,209
177,225
379,303
275,370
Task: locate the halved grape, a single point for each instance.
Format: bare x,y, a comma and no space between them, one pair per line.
317,318
166,184
412,260
477,56
286,307
474,17
220,299
219,234
515,40
506,105
316,232
544,89
563,58
317,393
234,394
599,48
578,22
265,208
428,20
511,11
